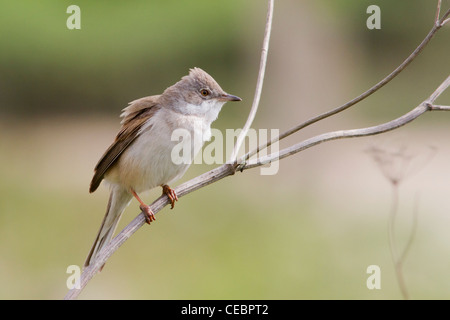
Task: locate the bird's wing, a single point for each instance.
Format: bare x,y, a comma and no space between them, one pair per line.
134,117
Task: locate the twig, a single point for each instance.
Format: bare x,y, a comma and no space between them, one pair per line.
183,189
439,108
413,229
442,87
398,263
259,84
342,134
400,259
437,25
438,12
443,20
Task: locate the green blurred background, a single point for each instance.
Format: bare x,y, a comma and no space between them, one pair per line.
308,232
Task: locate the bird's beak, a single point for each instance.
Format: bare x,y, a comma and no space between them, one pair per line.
229,97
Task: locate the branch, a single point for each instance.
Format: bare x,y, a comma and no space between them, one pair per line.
437,25
426,105
259,84
443,20
183,189
439,108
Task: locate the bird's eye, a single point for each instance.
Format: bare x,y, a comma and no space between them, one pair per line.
204,92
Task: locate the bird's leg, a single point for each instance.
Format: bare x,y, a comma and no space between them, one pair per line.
148,213
170,193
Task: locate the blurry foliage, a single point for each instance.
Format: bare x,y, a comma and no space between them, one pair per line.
124,49
129,49
404,24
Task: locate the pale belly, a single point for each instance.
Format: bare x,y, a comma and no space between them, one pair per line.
149,161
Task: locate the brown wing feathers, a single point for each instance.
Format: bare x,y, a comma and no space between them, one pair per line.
134,117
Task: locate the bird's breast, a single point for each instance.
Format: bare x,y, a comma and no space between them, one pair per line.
163,151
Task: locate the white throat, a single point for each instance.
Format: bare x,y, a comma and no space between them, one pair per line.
208,110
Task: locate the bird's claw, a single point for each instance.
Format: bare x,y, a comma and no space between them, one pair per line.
148,213
171,194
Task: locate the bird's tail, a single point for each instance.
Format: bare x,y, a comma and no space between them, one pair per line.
118,201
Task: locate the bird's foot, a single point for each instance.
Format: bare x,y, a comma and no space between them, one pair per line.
171,194
148,213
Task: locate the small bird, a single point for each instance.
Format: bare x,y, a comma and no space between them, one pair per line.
140,158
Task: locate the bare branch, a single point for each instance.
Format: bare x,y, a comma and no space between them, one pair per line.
259,84
443,86
183,189
444,19
342,134
359,98
398,260
438,13
413,230
439,108
398,263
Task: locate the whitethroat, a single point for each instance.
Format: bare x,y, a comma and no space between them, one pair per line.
141,156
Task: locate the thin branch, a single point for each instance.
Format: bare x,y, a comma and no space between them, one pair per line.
444,19
359,98
438,12
335,135
342,134
413,230
183,189
439,108
398,263
259,83
399,260
440,90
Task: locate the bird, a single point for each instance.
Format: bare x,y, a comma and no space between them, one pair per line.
141,156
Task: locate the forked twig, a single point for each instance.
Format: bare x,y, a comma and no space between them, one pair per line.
437,25
425,106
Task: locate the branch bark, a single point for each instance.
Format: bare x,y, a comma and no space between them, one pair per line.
259,84
183,189
425,106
